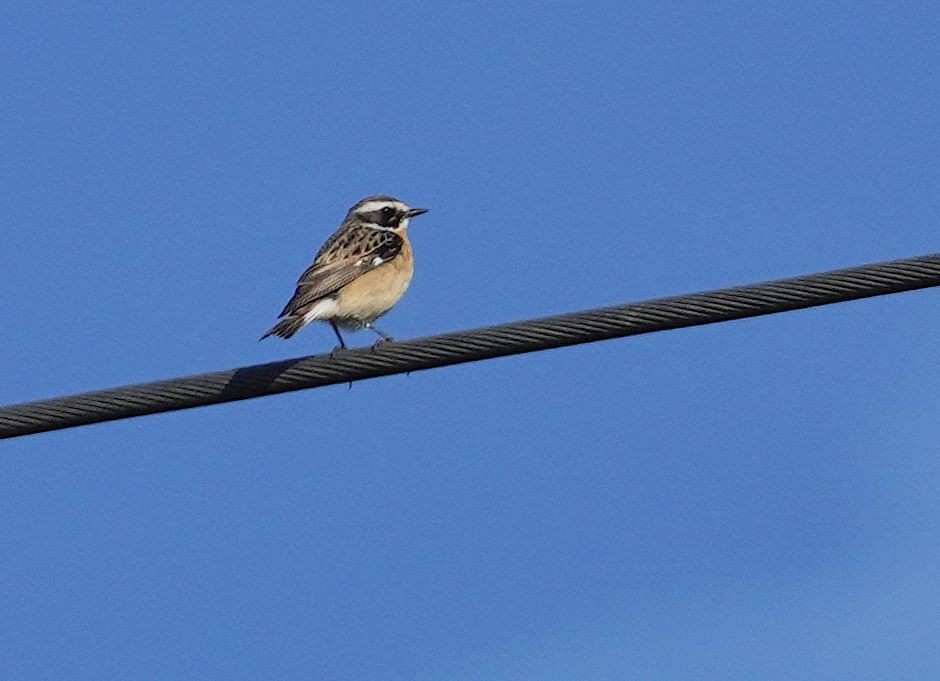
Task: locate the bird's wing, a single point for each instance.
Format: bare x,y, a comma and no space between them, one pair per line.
348,254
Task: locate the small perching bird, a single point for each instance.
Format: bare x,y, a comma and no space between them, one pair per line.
360,273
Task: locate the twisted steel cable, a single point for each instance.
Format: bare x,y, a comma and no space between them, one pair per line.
468,346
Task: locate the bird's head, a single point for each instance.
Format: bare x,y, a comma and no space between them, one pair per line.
384,213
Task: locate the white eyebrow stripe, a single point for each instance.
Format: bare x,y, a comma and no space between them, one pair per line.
370,206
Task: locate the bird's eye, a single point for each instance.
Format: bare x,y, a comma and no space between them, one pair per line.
387,210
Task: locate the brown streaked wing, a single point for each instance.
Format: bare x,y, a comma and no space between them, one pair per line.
348,254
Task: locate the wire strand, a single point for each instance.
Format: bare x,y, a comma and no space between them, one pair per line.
489,342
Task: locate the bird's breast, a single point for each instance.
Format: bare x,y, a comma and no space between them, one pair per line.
371,295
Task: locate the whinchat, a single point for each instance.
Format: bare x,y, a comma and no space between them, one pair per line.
358,275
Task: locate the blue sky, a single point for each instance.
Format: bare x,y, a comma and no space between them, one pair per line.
757,499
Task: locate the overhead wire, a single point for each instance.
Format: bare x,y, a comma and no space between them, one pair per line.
489,342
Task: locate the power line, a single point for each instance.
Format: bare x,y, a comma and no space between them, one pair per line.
469,346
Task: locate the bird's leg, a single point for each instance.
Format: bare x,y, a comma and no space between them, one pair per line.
339,337
385,338
341,346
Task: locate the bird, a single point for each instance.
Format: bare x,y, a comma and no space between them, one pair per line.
359,273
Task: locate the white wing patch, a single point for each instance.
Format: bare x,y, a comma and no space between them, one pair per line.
376,261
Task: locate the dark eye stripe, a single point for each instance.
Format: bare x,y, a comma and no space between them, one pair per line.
382,217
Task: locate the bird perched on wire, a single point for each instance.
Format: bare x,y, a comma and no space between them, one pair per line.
360,273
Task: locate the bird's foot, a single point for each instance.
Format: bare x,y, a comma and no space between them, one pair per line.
381,334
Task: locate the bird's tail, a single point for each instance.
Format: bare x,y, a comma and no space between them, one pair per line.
285,328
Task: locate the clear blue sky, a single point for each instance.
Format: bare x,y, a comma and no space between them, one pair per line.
753,500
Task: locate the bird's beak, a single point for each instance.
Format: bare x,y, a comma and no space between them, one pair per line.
415,212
